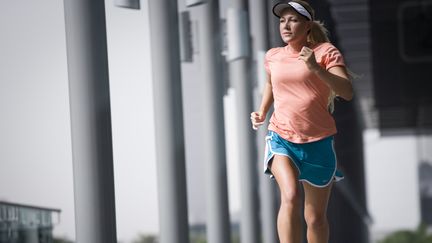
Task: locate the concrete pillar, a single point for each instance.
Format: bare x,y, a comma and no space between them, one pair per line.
91,121
267,188
170,151
218,223
239,69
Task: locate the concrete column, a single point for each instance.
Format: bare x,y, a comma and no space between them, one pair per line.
170,151
238,54
267,188
90,121
218,223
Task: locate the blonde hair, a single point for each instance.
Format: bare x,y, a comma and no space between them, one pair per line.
318,34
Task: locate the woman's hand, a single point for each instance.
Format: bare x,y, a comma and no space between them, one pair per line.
336,77
308,56
257,119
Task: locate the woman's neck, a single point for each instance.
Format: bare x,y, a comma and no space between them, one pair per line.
295,47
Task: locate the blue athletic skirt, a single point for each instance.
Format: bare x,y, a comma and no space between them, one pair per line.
316,161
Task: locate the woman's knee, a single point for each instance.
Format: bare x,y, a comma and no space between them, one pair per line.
291,197
315,219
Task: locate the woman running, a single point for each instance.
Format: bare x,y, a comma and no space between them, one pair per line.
303,78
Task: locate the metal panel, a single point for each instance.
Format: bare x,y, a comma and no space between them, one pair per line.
133,4
238,44
186,49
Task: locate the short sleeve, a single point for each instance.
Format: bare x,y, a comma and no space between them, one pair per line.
332,57
267,62
268,57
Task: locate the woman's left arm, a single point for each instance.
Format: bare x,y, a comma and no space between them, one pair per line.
337,78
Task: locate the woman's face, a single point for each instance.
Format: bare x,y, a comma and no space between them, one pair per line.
293,27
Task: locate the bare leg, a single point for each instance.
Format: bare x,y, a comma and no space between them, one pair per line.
289,218
316,201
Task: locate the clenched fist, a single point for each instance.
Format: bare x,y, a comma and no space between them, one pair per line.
308,56
257,119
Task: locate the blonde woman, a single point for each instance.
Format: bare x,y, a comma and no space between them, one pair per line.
303,78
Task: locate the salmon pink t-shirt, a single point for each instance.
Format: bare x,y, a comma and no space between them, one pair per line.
301,112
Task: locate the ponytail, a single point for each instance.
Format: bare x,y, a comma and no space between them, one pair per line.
330,102
318,33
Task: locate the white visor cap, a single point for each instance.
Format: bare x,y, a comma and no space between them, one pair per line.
279,7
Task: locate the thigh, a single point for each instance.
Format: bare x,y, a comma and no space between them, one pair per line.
316,198
285,173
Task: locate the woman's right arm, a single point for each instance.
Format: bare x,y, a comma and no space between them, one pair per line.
258,117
